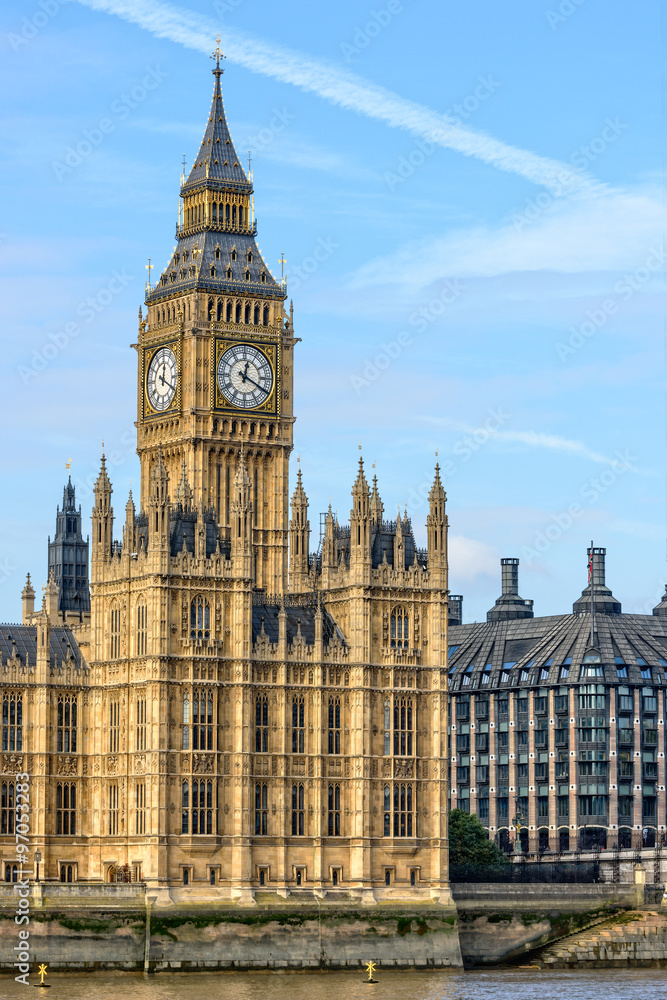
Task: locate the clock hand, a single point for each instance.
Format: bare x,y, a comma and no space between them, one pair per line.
248,379
165,382
244,374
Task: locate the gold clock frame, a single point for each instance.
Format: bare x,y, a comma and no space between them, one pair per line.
270,408
147,354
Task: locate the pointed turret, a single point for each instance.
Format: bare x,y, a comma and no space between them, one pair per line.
299,538
130,531
68,555
159,509
399,544
376,505
27,600
436,527
184,493
102,516
241,518
51,594
360,523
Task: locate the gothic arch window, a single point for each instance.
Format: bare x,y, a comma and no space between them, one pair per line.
403,727
114,725
202,720
142,628
229,312
238,312
298,724
67,873
200,618
66,809
229,278
213,272
219,310
67,721
214,210
140,734
7,807
12,721
197,807
247,275
256,315
400,628
227,213
262,723
265,321
186,721
333,825
11,873
233,215
241,215
210,305
387,727
334,725
249,258
298,811
247,314
261,810
114,632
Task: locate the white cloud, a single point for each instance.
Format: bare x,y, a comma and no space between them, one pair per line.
534,439
470,558
346,90
611,232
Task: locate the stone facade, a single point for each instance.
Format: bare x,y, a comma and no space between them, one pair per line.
206,724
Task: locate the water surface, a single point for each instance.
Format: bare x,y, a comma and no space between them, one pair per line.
515,984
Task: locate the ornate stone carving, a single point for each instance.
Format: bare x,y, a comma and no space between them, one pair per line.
202,763
112,764
67,765
139,764
403,769
11,763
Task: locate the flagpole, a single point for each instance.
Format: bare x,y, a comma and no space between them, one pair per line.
591,573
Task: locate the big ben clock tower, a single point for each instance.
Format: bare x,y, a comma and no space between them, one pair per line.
215,355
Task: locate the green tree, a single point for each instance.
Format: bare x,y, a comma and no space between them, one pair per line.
469,843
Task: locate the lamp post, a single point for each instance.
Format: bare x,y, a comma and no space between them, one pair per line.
38,858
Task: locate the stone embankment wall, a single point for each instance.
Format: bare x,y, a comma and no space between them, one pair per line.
86,934
500,923
628,939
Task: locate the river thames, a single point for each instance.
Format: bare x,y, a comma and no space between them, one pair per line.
501,984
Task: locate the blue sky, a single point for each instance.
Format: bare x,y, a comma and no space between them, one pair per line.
469,198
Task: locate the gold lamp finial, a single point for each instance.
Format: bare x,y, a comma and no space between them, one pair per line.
68,465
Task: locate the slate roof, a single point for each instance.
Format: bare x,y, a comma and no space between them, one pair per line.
216,167
298,617
23,639
382,544
217,159
535,651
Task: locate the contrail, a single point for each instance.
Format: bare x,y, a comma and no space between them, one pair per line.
347,90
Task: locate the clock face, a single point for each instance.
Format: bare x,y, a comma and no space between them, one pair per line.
161,381
245,376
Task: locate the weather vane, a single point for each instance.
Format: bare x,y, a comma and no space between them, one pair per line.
217,55
149,268
68,465
282,262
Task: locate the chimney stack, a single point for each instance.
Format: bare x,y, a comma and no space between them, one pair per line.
509,605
